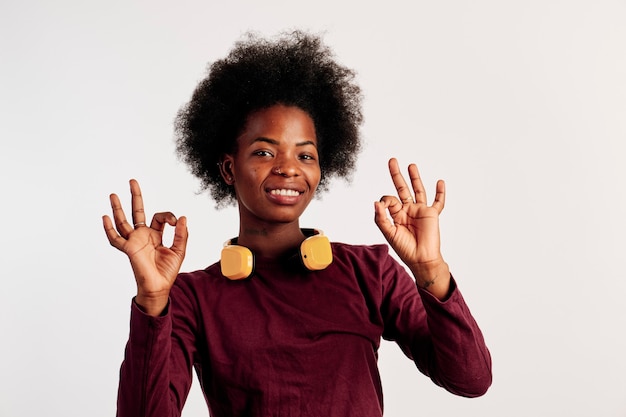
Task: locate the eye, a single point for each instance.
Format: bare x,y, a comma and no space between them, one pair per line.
262,152
307,157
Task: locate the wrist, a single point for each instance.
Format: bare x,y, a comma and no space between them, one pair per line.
433,276
152,305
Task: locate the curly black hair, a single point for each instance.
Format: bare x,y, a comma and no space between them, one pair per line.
293,69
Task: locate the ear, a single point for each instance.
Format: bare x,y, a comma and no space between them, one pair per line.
226,169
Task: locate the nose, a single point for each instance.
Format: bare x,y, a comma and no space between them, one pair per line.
286,167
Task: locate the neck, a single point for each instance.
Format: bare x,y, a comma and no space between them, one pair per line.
271,241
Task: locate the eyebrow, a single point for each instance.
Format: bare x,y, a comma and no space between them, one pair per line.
275,142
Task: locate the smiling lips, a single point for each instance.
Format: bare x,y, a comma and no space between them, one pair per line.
283,192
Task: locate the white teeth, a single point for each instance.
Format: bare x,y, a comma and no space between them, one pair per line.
290,193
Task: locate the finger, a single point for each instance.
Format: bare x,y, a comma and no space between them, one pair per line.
181,233
114,238
159,220
404,193
139,216
392,204
440,196
122,225
418,186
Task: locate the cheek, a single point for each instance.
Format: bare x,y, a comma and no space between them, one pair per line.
248,173
315,179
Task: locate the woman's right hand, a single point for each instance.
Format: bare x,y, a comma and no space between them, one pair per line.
154,265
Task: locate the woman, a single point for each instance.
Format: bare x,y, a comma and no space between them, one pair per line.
286,324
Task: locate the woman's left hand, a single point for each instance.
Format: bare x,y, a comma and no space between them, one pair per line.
413,231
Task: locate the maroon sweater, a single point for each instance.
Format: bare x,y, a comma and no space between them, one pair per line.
290,342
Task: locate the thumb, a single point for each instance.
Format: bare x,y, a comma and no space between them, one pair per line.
181,234
381,219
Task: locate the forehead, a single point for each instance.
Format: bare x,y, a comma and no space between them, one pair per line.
280,123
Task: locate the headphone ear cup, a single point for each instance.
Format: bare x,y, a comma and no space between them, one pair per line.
316,252
236,262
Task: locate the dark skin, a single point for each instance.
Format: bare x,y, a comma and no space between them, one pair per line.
275,172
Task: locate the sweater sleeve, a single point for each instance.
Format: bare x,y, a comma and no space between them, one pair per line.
156,373
442,338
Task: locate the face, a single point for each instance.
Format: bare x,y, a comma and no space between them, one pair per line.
275,170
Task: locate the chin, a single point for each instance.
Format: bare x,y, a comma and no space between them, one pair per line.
278,215
285,218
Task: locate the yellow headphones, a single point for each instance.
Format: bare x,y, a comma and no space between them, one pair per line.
237,262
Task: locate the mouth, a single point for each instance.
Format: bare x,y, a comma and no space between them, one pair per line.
285,192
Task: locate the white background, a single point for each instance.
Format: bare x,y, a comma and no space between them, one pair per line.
519,105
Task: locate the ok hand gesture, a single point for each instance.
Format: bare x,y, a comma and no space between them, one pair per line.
154,265
413,231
